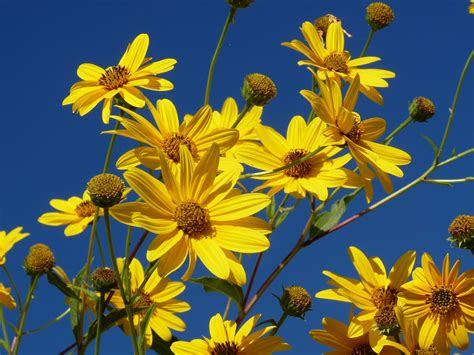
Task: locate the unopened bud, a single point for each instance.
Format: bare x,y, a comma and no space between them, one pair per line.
39,260
295,301
258,89
421,109
379,15
462,232
103,279
105,190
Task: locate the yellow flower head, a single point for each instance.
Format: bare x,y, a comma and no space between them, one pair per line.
314,175
8,240
196,214
75,212
442,302
346,128
226,339
132,71
156,292
334,62
5,297
195,133
375,294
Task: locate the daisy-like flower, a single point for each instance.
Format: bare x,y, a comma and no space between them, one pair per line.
5,297
314,175
375,294
157,291
442,302
226,339
346,128
196,214
334,335
335,63
8,240
195,133
123,79
75,212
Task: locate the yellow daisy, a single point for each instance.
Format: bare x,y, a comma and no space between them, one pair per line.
314,175
168,135
442,302
335,63
99,84
375,294
8,240
75,212
196,214
158,292
226,339
335,336
346,128
5,297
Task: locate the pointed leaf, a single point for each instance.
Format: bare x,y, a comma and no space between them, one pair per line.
143,326
56,281
212,284
430,141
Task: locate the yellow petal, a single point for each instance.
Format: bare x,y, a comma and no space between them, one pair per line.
240,239
212,257
239,207
135,54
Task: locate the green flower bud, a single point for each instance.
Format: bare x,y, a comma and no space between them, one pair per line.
379,15
421,109
105,190
295,301
103,279
258,89
39,260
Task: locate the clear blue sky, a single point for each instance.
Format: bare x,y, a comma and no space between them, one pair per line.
47,152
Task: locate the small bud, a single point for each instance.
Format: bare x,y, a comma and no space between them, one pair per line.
103,279
322,24
462,232
105,190
379,15
421,109
39,260
239,4
258,89
295,301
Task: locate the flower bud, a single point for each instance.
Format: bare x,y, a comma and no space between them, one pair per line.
103,279
379,15
322,24
421,109
295,301
239,4
462,232
258,89
387,321
105,190
39,260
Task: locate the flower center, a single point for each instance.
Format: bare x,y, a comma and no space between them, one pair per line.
85,209
299,170
363,349
191,218
357,130
114,77
442,301
171,143
383,297
227,348
337,62
144,301
431,351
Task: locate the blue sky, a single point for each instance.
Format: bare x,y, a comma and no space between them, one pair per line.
48,152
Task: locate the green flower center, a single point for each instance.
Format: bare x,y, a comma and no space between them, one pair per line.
191,218
363,349
227,348
114,77
85,209
171,143
337,62
299,170
442,301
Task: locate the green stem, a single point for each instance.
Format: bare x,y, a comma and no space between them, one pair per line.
367,43
4,330
31,290
449,181
389,138
101,250
241,115
99,323
50,323
111,145
279,324
119,279
15,289
230,17
456,157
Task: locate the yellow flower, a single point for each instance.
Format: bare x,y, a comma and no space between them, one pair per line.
225,339
314,175
335,63
168,135
99,84
471,7
196,214
76,212
8,240
376,294
442,302
5,298
346,128
335,336
158,292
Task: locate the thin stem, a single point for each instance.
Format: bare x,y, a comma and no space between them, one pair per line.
101,250
50,323
367,43
116,270
99,323
4,330
455,157
448,181
389,138
31,290
279,324
111,145
15,289
241,115
230,17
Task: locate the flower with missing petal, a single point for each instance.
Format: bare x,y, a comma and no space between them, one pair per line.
133,71
8,240
334,62
226,339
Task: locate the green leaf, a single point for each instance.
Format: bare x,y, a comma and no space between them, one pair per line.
4,345
143,327
430,141
56,281
212,284
90,294
271,208
281,218
454,152
267,321
76,304
161,346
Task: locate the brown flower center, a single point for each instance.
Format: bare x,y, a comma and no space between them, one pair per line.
85,209
171,143
337,62
431,351
385,317
227,348
384,297
191,218
299,170
442,301
363,349
144,301
114,77
357,130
